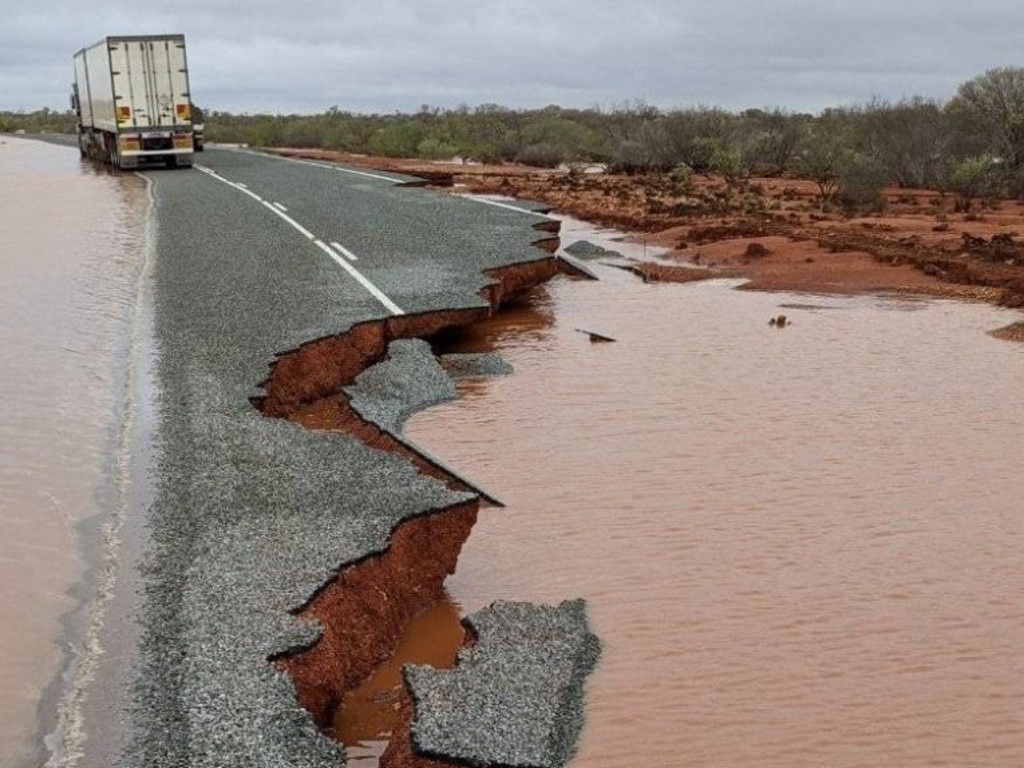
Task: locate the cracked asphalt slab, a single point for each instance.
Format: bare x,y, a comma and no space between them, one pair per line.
251,515
514,697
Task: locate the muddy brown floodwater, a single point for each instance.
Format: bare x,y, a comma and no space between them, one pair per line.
800,546
70,251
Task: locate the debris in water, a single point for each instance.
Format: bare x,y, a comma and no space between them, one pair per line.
584,249
778,322
594,336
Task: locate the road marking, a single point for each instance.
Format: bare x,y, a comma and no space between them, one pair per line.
328,166
345,251
257,198
280,207
509,207
346,170
376,292
373,289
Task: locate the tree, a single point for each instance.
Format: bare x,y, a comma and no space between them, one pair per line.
821,153
994,101
769,140
974,177
861,180
911,139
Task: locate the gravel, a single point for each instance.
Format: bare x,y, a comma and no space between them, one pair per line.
515,696
471,365
408,380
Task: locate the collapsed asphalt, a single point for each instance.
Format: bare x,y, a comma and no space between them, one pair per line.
253,514
515,695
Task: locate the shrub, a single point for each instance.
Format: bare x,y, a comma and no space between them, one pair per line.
396,140
542,155
861,181
682,174
435,148
972,178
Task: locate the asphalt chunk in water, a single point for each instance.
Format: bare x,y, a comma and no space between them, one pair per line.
514,695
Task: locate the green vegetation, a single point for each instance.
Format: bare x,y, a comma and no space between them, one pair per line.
972,145
40,121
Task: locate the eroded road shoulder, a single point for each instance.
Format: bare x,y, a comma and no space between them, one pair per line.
254,515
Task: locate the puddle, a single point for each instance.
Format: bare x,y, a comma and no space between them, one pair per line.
369,714
73,238
799,546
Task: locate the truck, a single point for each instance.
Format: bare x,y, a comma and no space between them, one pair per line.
131,95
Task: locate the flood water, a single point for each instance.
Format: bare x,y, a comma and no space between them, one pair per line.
368,715
70,254
799,546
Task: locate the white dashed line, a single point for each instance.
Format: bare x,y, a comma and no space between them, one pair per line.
328,166
344,251
376,292
280,207
373,289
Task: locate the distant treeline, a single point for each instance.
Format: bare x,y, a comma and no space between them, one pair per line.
972,144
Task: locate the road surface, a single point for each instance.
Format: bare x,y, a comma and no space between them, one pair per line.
247,515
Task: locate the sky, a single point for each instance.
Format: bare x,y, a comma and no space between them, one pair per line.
306,56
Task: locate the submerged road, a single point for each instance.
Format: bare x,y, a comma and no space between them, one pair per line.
246,516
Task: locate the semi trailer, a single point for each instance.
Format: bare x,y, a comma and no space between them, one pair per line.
132,98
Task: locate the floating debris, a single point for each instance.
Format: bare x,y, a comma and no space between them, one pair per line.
584,249
595,337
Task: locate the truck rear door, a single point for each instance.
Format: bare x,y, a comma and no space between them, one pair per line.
150,83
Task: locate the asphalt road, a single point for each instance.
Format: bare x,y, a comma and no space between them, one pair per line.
250,515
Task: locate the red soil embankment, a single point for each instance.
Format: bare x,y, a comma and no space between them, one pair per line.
915,241
363,610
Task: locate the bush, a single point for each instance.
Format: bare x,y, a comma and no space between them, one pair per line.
396,140
542,155
435,148
861,181
682,174
972,178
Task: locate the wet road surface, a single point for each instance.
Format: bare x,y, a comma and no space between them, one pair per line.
250,515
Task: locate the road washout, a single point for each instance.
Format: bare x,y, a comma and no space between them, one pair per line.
363,611
775,233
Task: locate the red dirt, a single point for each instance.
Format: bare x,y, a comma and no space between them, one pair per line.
400,752
915,243
363,611
918,245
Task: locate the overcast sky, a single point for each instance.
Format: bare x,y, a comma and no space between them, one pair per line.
387,55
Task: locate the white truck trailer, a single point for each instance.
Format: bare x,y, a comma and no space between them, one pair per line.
131,95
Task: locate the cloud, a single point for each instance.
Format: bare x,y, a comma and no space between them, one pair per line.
389,55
